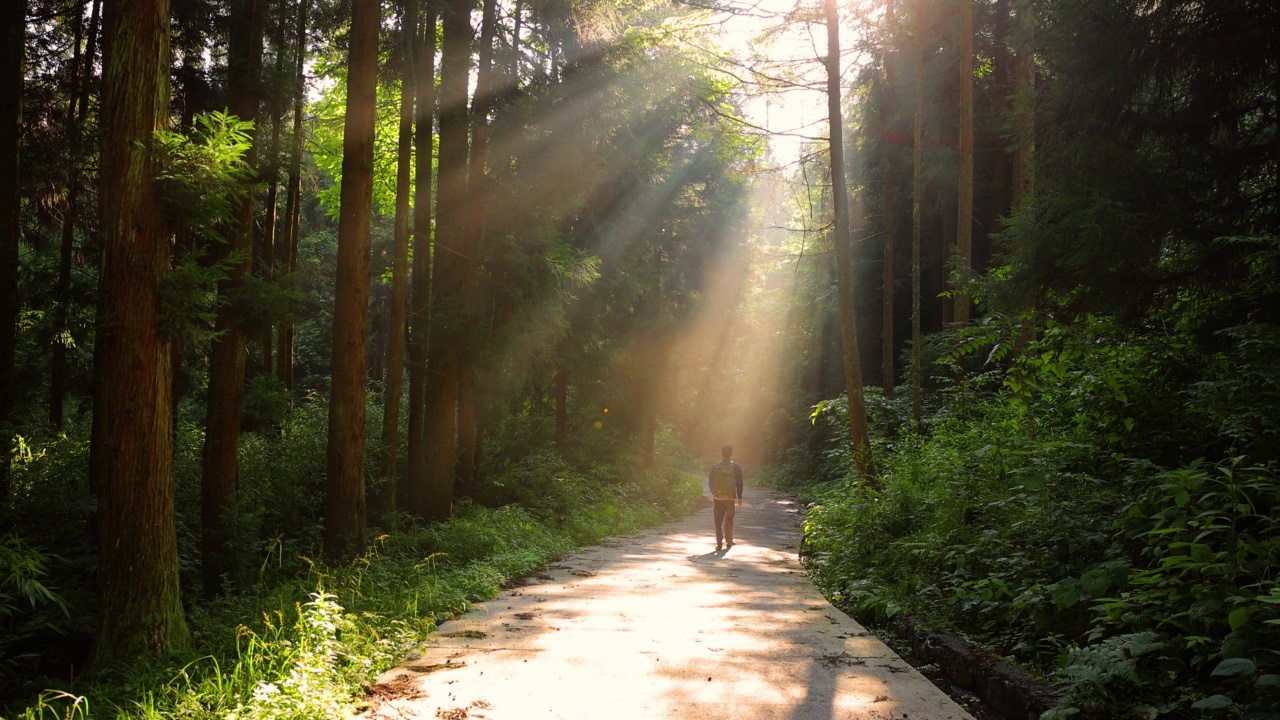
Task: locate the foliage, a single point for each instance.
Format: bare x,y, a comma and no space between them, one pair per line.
203,175
1036,518
296,638
24,601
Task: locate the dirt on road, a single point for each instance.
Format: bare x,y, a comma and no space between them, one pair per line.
658,625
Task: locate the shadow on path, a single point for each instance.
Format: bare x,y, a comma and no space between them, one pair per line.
656,625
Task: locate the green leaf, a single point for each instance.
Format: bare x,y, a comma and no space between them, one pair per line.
1214,702
1268,681
1238,617
1066,593
1233,667
1095,582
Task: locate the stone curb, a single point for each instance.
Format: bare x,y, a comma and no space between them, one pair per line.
1004,687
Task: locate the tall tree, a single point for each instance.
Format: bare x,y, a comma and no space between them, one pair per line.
344,503
400,262
131,459
415,491
293,196
917,189
13,43
843,241
1000,60
887,372
451,259
78,106
228,354
1024,71
478,196
268,233
964,217
1024,179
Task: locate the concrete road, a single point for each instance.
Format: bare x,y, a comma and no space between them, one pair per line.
656,625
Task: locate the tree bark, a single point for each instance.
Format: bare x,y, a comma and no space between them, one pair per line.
58,359
842,240
999,200
400,264
344,504
888,381
131,460
1024,178
917,189
415,486
13,43
1024,69
964,217
293,202
887,372
271,175
562,402
229,350
452,259
946,247
478,195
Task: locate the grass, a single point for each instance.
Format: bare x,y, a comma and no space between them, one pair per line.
298,638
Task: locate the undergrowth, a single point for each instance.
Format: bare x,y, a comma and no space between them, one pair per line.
297,638
1086,511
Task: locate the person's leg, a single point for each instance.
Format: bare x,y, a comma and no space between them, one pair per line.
718,508
728,524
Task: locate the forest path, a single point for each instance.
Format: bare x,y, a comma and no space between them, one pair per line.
653,625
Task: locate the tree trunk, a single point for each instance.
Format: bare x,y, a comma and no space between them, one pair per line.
344,511
477,195
13,20
416,498
999,199
228,351
887,373
131,460
1024,70
842,240
1024,179
271,222
452,260
917,188
947,244
400,264
888,381
293,203
562,403
61,334
964,217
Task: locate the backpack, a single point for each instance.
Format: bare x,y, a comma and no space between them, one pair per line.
724,480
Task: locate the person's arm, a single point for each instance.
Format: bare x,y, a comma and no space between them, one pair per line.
738,471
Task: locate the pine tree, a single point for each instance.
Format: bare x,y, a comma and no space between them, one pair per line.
293,201
917,190
229,351
844,256
400,262
131,458
344,502
415,490
13,18
964,220
454,255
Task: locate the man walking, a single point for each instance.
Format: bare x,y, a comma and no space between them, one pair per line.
725,483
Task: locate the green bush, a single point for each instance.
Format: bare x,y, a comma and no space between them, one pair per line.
1060,511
